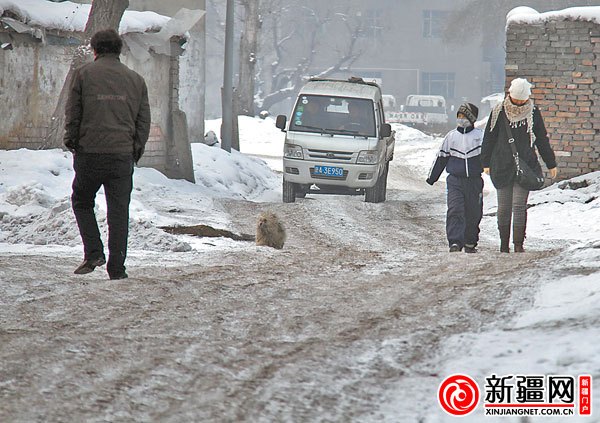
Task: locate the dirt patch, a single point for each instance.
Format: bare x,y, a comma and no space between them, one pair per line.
206,231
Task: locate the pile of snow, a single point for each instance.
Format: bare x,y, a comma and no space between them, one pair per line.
527,15
69,16
415,149
259,137
567,210
234,175
35,189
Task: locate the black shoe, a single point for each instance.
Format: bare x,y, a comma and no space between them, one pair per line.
118,276
454,248
89,265
470,249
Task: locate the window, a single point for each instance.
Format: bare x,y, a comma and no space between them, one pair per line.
434,22
438,83
372,23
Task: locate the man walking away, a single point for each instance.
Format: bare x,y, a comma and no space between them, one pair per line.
107,126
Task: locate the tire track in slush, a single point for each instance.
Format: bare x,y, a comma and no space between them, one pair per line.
359,299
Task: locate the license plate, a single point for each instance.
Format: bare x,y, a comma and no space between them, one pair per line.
329,171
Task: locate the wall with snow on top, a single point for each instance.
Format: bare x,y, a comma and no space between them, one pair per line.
559,52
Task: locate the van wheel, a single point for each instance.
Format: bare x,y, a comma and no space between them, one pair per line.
384,185
289,192
377,193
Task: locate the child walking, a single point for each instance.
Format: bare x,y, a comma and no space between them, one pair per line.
460,156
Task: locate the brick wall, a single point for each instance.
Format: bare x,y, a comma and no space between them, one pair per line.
562,59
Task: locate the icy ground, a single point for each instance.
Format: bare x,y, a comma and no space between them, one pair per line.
358,319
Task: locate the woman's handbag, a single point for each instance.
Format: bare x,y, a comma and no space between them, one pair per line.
528,178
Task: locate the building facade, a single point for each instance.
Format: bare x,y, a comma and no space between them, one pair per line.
403,45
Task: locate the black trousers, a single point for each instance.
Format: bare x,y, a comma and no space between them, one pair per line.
115,172
465,209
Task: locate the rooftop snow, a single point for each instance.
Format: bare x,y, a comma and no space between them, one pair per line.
527,15
69,16
340,88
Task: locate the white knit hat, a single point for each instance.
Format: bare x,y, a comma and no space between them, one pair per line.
520,89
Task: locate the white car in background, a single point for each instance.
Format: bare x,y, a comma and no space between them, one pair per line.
424,111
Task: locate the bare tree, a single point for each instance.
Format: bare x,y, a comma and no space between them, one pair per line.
103,14
286,81
248,56
475,17
280,43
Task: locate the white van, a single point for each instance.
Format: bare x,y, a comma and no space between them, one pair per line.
337,141
424,110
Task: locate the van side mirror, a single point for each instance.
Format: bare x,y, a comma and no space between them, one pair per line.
281,121
386,130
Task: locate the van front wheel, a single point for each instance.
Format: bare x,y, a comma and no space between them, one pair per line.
289,192
377,193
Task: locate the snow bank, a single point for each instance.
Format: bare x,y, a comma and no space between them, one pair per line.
35,189
527,15
567,210
69,16
259,137
234,175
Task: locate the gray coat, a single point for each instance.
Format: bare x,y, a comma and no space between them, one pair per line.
107,110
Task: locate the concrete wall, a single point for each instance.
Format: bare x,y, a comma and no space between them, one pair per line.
192,81
31,79
193,61
562,58
156,73
32,76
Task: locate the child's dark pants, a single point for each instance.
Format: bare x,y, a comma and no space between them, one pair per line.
465,209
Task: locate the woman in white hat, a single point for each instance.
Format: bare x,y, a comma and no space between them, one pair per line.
528,130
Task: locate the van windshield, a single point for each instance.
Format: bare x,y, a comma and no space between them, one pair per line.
334,115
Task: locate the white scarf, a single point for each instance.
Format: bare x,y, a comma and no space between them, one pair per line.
517,115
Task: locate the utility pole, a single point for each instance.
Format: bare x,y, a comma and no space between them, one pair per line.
227,97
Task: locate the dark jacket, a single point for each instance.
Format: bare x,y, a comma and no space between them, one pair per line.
496,153
107,110
459,155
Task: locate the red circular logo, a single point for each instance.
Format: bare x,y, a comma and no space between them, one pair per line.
458,395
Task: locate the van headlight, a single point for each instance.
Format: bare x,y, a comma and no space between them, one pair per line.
291,151
367,157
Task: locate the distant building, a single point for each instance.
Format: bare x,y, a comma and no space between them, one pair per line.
401,44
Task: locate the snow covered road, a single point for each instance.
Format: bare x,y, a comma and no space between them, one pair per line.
358,319
360,298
